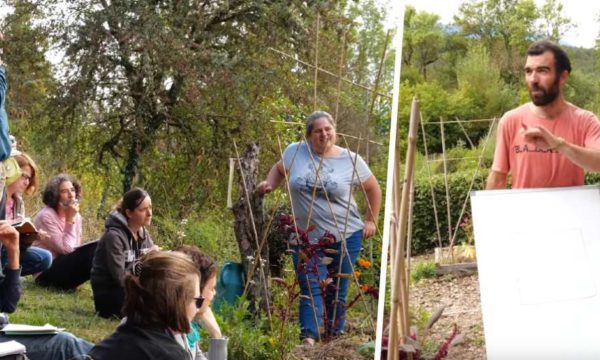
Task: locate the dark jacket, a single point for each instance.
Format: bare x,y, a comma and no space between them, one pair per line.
10,289
130,341
116,253
10,284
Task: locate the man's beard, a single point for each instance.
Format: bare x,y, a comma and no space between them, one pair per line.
548,95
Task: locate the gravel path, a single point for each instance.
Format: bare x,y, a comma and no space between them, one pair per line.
460,294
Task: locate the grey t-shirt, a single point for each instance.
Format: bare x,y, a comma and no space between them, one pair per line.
338,177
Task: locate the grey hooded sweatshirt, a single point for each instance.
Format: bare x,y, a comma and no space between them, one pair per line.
116,253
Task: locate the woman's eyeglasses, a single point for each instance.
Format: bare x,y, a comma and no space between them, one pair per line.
199,301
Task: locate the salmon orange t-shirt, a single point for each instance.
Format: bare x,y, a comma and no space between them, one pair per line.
532,167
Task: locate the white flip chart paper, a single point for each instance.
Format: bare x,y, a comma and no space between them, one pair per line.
538,255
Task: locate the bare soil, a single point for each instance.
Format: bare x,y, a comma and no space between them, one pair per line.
460,295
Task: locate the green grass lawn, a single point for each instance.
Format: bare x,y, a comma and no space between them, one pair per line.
72,310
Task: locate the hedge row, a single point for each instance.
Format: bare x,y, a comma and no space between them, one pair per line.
424,234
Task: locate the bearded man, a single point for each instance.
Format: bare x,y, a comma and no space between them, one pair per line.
547,142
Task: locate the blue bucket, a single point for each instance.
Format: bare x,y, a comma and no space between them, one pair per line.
230,284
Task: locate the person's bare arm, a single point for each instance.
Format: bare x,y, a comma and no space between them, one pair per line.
274,178
373,195
588,159
9,237
496,180
209,322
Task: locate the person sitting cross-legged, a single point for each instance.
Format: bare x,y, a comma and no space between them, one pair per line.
33,259
60,219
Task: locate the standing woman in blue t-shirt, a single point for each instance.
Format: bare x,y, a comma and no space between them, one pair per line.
321,178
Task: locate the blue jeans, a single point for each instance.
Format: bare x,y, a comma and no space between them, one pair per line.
62,346
312,274
33,260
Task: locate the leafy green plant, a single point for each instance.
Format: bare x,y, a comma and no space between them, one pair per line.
423,270
251,337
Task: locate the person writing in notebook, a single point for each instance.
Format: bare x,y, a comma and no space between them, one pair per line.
547,142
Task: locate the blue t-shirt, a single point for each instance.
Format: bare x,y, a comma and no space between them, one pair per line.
193,337
333,209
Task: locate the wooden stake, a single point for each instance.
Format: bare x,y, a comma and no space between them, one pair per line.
446,182
230,184
293,57
377,78
340,76
400,283
464,206
435,212
316,62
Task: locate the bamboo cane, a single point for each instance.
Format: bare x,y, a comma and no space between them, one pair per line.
446,185
400,284
435,212
230,184
316,63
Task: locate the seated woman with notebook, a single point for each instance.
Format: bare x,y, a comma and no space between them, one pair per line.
61,346
33,259
61,220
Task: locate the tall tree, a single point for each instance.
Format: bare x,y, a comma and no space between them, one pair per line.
137,70
30,74
553,23
505,26
423,39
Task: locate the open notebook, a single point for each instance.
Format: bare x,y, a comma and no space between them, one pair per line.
20,329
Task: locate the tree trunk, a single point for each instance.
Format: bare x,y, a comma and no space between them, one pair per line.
256,267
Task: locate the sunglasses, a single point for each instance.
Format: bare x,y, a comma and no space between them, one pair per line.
199,301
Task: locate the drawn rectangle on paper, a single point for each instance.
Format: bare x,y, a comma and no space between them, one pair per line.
541,278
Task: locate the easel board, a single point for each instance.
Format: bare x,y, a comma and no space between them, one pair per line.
538,255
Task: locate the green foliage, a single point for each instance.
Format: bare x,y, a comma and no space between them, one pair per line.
423,270
251,338
423,39
480,81
424,233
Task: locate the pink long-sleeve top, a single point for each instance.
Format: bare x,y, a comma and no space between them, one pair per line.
63,237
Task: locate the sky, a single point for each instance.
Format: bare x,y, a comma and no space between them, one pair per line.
583,13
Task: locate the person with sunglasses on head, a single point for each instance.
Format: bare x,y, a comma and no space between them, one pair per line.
123,243
162,298
33,259
205,317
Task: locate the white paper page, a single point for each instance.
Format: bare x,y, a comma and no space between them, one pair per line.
538,257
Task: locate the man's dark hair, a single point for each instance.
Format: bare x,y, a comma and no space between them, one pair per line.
561,59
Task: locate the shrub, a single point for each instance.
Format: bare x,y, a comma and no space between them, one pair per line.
424,234
423,270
